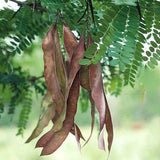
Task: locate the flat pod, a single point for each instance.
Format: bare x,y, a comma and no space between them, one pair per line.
64,90
96,84
50,74
84,82
109,125
70,43
60,67
98,95
47,114
62,79
59,136
77,137
42,142
74,129
77,56
43,122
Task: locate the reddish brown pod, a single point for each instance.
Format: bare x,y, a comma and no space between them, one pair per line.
63,85
70,43
99,97
58,137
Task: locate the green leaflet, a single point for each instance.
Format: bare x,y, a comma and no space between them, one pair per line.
85,62
148,53
153,44
90,50
128,2
114,62
157,39
157,57
145,58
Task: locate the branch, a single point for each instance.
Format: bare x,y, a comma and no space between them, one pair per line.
34,5
83,14
33,79
91,8
139,10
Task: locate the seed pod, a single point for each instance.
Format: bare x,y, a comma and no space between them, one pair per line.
50,73
78,131
70,43
77,55
98,95
96,85
84,82
60,68
42,142
55,74
109,125
59,137
77,137
47,114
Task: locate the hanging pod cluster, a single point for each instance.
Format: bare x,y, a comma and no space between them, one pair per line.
63,82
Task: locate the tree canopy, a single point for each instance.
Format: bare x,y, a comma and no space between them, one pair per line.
126,37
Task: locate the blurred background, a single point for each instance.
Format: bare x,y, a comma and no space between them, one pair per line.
135,113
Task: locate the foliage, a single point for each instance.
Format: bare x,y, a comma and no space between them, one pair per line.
121,29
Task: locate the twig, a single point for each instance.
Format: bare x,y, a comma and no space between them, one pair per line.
33,79
139,10
15,13
91,8
83,14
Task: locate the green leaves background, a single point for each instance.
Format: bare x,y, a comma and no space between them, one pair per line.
120,37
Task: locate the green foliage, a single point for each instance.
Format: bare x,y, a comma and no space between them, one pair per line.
121,30
20,87
126,2
26,109
123,36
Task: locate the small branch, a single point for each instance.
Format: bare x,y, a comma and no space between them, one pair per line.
83,14
33,79
34,5
139,10
15,13
92,11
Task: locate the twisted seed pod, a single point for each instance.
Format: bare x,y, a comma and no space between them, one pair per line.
70,43
98,95
84,82
59,136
